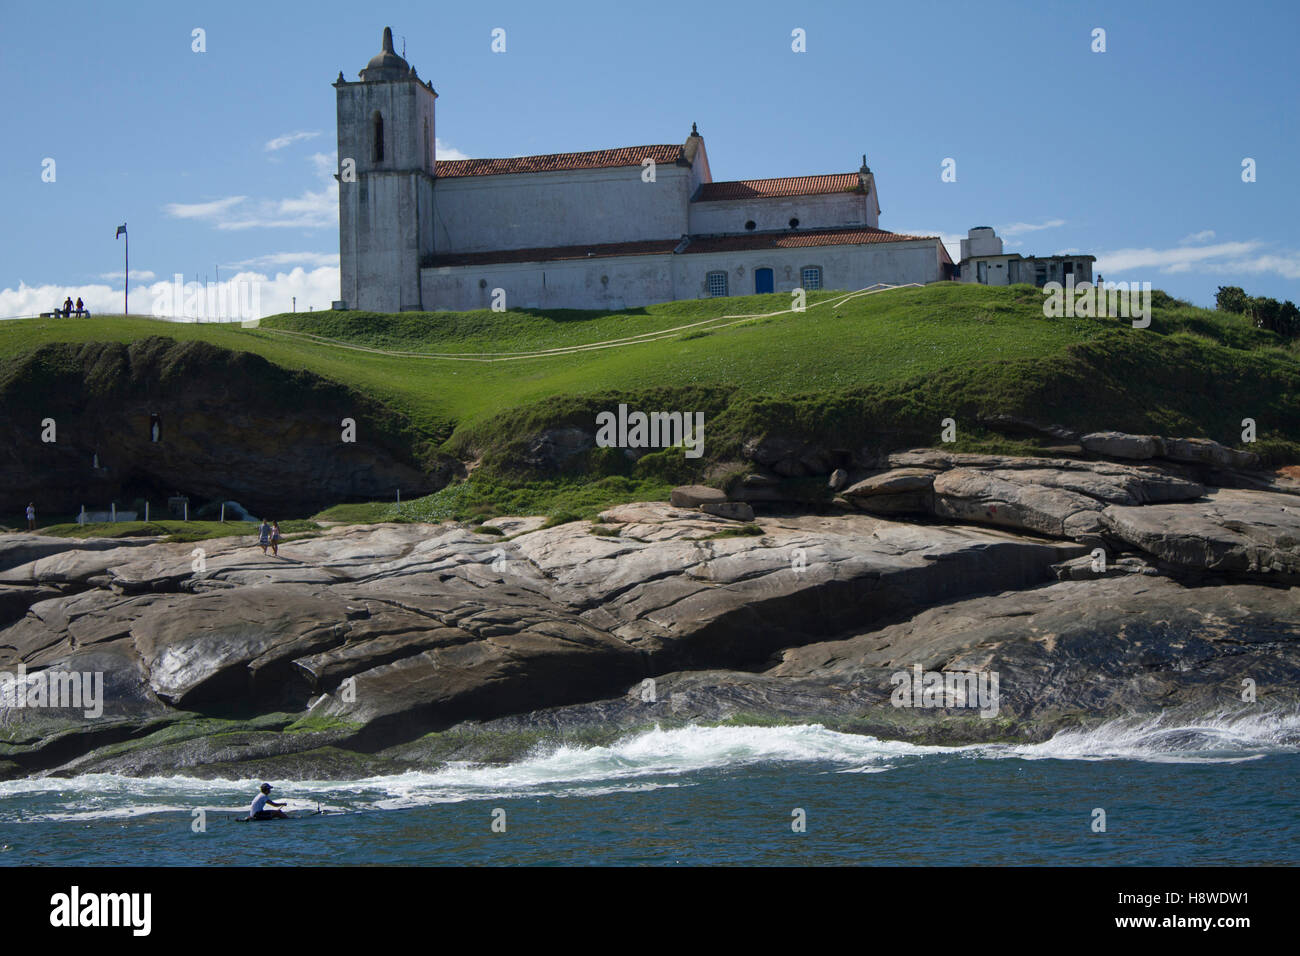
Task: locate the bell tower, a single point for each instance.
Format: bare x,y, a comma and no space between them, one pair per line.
386,170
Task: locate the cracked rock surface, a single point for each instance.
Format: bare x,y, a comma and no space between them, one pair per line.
373,648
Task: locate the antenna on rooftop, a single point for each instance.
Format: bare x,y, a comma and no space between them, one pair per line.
403,48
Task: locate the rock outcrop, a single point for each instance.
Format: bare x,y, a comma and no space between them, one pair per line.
711,501
1199,451
1124,645
1058,497
1091,588
281,455
1230,531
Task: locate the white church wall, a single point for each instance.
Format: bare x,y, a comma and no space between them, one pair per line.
382,249
612,282
624,282
573,207
813,212
843,267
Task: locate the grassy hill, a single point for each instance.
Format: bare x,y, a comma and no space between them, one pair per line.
886,366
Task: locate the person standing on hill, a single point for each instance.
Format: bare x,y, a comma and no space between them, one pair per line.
275,539
31,516
264,535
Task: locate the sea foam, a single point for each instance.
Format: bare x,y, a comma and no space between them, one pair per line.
654,759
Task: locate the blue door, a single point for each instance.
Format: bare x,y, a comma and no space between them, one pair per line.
763,281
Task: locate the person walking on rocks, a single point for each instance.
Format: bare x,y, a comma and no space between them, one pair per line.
264,535
31,516
275,539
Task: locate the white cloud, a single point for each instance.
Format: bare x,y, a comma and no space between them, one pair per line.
1286,265
324,164
314,289
442,151
202,210
1171,260
1020,228
144,275
1205,235
288,139
289,258
313,209
1224,258
27,301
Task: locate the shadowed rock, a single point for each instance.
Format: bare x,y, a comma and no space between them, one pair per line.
103,395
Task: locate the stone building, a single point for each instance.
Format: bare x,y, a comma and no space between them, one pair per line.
604,229
983,261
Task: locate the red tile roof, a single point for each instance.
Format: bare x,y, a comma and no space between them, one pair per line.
651,247
776,188
797,240
553,162
646,247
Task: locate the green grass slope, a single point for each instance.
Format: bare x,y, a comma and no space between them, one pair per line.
886,367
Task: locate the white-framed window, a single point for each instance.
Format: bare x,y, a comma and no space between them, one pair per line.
717,283
812,277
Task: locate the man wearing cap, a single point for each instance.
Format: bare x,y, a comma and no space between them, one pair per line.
261,802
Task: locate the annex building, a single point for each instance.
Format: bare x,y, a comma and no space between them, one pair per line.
605,229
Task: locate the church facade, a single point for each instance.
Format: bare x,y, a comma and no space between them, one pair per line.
604,229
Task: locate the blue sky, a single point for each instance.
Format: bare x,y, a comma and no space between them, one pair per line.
220,161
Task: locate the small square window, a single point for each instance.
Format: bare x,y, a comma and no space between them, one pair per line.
812,277
717,283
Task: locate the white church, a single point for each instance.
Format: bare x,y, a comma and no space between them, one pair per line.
606,229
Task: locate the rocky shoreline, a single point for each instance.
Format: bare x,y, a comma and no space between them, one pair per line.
1132,579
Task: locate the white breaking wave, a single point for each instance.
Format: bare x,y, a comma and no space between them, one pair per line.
1226,736
653,754
651,760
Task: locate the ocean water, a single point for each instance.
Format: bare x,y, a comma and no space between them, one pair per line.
1218,790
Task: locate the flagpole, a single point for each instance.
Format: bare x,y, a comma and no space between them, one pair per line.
126,269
